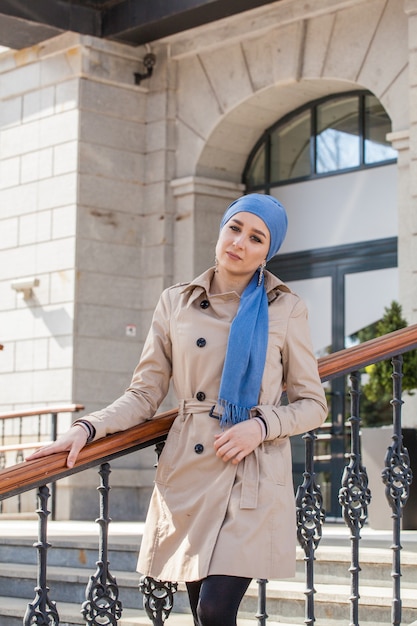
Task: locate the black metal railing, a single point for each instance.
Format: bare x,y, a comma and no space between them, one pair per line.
102,604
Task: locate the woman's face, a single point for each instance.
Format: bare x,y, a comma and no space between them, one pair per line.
243,244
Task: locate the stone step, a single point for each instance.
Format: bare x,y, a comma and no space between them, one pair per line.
12,611
74,553
285,599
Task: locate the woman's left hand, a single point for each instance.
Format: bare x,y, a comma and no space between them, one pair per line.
238,441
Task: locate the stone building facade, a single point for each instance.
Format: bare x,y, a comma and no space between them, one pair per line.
111,191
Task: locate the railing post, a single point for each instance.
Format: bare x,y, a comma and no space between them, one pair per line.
355,496
42,611
102,605
54,436
261,614
397,477
310,518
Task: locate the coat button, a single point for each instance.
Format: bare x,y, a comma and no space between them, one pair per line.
201,342
198,448
204,304
201,396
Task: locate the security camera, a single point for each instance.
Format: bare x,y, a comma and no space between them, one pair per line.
24,286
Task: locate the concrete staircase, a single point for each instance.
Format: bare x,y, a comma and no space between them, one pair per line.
74,552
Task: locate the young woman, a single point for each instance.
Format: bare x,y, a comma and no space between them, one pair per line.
222,510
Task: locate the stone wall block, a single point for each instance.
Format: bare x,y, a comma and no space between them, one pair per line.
53,384
159,136
111,259
111,163
413,177
10,112
59,128
107,354
20,80
31,321
111,226
60,352
51,256
109,194
154,198
20,139
388,54
102,129
7,361
9,172
9,233
156,166
38,104
35,227
317,36
32,355
57,191
228,75
97,290
153,268
64,221
18,200
67,95
62,286
61,66
201,111
349,46
95,388
156,106
109,322
189,147
128,104
65,158
36,165
274,57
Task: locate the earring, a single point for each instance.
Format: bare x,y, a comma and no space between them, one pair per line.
261,273
216,264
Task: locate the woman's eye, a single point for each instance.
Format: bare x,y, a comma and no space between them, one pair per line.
235,228
255,238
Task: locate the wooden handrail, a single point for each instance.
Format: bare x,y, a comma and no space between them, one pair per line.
44,410
28,475
372,351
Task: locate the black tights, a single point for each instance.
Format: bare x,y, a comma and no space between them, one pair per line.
215,600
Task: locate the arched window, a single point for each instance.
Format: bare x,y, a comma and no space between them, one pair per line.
339,133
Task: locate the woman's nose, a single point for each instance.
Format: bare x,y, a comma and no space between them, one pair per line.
238,242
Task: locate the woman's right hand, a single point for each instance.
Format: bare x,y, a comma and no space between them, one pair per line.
73,441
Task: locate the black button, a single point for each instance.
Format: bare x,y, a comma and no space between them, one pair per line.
198,448
201,396
204,304
201,342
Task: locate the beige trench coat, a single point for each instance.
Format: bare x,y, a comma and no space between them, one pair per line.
207,516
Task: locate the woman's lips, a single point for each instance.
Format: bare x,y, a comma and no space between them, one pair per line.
233,256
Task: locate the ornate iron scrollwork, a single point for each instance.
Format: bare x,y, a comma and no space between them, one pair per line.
102,606
397,477
42,611
310,518
158,598
354,495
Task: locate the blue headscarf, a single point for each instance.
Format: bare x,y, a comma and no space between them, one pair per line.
248,337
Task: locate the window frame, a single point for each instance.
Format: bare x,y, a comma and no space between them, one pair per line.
265,142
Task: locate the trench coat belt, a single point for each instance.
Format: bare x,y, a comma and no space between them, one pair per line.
250,479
